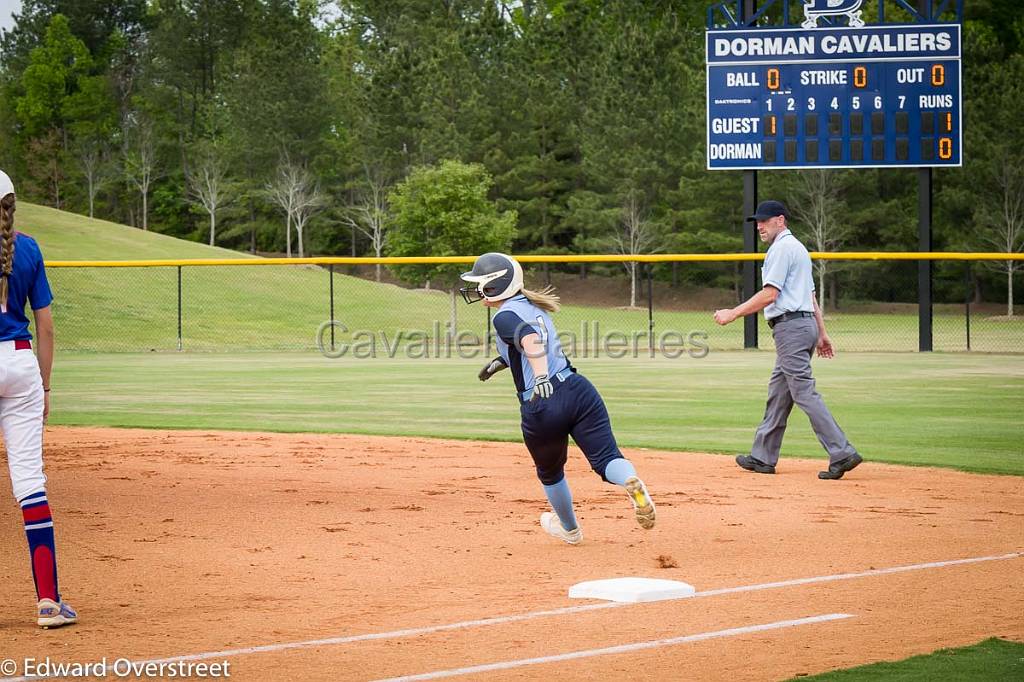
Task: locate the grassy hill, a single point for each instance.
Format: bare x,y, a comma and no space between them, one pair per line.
223,308
68,236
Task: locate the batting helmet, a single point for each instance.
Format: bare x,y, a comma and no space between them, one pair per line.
496,277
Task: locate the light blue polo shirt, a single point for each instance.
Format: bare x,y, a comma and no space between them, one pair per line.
787,267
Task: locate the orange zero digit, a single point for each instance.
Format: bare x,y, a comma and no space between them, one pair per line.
860,77
945,148
773,79
938,75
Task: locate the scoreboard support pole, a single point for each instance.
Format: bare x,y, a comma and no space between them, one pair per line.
924,238
749,246
924,267
748,9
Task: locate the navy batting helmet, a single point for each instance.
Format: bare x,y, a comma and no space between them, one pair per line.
496,277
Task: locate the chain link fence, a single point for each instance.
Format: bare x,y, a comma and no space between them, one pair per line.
668,310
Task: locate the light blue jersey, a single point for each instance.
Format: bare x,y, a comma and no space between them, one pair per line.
787,267
516,319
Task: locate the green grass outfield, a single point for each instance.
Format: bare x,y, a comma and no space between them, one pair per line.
993,660
952,410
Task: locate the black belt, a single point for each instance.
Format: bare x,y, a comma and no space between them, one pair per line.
788,316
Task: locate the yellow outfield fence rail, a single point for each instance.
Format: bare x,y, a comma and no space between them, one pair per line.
613,305
599,258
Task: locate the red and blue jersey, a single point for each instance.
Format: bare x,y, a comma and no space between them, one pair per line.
26,284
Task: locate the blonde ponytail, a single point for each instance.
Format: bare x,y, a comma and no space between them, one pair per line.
545,299
6,246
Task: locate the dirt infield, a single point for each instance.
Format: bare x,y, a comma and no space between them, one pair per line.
182,543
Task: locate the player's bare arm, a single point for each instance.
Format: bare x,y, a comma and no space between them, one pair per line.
754,304
825,349
44,352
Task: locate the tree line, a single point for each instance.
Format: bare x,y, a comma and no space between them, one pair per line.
295,126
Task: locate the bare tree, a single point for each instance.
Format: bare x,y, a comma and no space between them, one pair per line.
209,187
91,162
368,213
816,203
140,164
1002,226
636,236
283,190
294,190
308,203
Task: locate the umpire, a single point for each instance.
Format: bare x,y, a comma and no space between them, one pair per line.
798,328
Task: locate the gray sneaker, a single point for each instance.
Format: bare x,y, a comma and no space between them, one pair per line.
51,614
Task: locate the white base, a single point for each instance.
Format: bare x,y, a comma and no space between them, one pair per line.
632,589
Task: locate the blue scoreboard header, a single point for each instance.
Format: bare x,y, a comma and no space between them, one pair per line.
834,97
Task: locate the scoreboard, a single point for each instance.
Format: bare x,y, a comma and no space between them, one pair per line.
834,97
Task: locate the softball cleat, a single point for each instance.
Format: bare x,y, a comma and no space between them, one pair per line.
643,505
550,523
50,614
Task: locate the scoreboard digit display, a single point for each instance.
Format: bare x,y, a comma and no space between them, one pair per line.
834,97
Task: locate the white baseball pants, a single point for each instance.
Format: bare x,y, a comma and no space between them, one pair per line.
21,418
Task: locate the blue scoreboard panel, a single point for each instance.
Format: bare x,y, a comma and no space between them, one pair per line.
834,97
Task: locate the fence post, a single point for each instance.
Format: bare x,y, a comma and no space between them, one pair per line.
330,269
487,348
180,345
967,303
650,308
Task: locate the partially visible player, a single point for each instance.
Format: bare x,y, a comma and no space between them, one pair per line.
556,402
25,399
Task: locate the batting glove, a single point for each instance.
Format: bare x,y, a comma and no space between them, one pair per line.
542,388
492,368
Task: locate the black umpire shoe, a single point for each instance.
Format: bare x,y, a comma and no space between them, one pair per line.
751,464
836,471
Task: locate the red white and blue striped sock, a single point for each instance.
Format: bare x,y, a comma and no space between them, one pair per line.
39,530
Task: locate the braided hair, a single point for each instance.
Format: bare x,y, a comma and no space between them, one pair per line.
6,246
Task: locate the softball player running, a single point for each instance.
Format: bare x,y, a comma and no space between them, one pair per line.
556,402
25,399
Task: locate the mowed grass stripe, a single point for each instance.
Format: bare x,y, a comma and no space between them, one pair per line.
954,411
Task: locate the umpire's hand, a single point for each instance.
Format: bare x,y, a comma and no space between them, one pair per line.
542,388
825,347
725,316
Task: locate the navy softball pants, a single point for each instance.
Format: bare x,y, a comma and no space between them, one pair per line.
574,409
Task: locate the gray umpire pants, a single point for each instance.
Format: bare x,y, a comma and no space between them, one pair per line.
791,382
